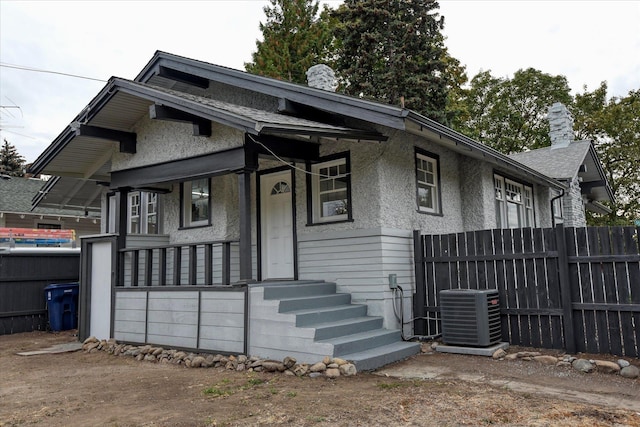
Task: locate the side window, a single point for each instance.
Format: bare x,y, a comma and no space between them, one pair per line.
196,203
330,191
428,182
143,213
514,203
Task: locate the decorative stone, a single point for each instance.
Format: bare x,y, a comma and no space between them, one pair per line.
630,372
90,345
318,367
197,362
546,360
332,373
242,359
301,370
289,373
273,366
315,374
562,363
90,339
289,362
623,363
241,367
499,353
157,351
339,361
140,356
149,358
326,360
333,366
583,365
512,356
348,369
180,355
524,354
607,367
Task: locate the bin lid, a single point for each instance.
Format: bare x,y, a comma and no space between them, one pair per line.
62,286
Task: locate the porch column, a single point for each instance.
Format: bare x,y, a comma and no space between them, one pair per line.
122,202
244,194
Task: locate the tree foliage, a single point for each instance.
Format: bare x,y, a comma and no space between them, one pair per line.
509,114
393,50
11,162
294,39
614,127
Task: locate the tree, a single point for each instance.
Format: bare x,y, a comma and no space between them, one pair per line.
510,114
295,38
614,127
393,50
11,162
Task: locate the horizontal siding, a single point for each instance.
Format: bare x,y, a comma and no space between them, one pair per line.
173,319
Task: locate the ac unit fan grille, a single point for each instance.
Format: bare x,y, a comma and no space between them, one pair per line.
470,317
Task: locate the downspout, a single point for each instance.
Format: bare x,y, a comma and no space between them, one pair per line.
553,199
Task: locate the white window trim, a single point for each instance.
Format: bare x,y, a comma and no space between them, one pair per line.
315,191
186,206
143,212
526,204
435,186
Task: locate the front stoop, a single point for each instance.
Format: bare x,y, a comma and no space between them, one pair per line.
308,320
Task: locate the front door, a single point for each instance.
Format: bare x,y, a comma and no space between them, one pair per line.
276,223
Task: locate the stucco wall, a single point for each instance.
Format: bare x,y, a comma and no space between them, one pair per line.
162,141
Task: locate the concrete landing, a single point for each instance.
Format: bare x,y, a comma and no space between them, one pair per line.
476,351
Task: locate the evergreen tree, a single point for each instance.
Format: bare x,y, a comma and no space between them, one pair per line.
11,162
393,50
295,39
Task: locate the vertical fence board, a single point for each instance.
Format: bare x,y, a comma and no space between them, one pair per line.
553,285
470,266
520,287
498,249
615,289
532,288
602,246
480,265
432,291
454,267
632,245
589,293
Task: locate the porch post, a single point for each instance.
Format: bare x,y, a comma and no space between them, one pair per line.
121,231
244,194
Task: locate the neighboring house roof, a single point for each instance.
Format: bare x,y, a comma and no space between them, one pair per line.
17,194
577,159
167,79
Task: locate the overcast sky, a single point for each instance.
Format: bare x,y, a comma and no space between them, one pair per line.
586,41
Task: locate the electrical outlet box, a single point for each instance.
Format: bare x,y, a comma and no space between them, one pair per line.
393,281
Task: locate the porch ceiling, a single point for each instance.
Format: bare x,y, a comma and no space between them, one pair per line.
69,193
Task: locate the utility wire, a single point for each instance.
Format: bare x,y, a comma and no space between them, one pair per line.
39,70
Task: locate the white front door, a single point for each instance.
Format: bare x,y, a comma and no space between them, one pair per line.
276,223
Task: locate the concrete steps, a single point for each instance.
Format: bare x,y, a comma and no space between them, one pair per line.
335,324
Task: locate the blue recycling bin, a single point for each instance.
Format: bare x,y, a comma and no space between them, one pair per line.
62,305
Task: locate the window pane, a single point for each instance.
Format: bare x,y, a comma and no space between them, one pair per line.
425,197
326,184
333,204
513,215
200,200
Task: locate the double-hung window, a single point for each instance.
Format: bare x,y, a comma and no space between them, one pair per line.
196,203
142,213
514,203
330,191
428,182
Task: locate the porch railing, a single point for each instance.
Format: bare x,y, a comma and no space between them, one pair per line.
207,264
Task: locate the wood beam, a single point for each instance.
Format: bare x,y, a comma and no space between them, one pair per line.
127,139
201,127
182,77
286,149
218,163
244,196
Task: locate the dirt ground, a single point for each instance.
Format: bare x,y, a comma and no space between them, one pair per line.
82,389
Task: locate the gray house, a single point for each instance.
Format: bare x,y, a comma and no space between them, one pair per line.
575,164
244,214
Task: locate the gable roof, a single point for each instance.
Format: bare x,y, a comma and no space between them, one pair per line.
577,159
166,80
17,195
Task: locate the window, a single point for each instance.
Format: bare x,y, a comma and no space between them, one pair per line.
196,203
558,207
142,213
330,191
514,203
427,182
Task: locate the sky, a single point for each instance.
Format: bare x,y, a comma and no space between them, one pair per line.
586,41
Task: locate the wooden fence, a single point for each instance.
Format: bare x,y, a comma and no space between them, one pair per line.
571,288
24,273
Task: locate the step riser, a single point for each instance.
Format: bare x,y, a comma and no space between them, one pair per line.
368,364
299,290
365,344
348,329
348,312
320,301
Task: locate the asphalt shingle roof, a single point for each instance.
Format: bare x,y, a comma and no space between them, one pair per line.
558,163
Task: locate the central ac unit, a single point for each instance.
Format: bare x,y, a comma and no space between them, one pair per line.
470,317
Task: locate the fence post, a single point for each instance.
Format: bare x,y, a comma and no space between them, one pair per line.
565,289
419,298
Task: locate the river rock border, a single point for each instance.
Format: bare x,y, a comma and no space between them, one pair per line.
622,367
329,367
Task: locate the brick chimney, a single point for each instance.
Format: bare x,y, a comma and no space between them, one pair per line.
321,76
560,126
